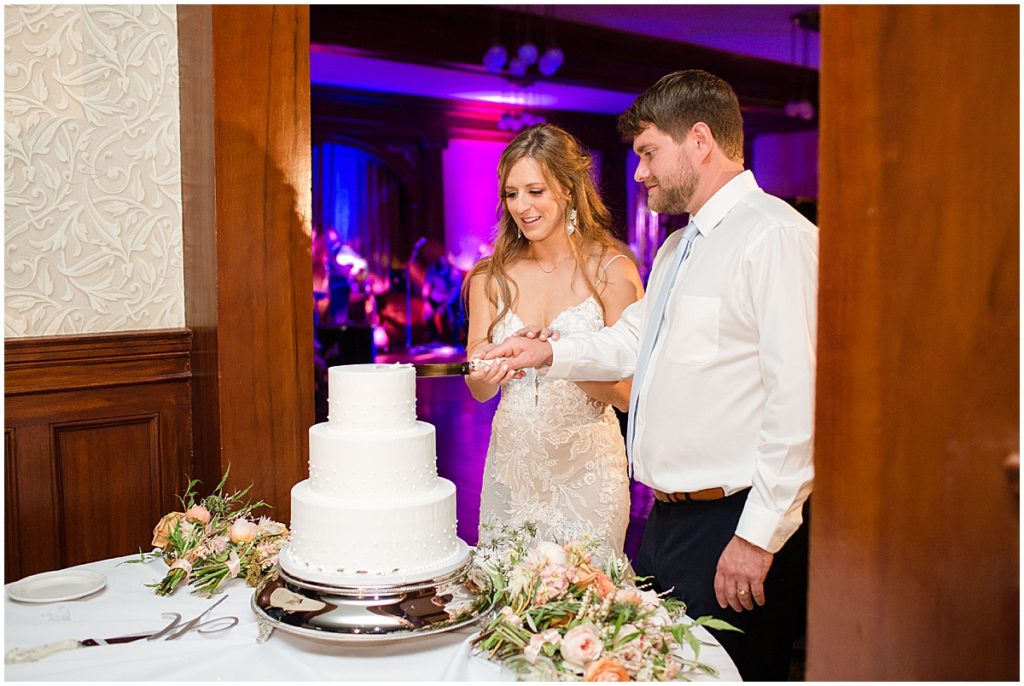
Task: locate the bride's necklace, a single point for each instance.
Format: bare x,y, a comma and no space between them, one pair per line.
559,261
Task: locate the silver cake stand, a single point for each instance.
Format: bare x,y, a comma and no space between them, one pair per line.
368,613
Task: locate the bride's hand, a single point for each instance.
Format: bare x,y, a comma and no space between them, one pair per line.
542,333
497,372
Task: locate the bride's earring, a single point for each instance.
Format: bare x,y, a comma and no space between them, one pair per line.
571,226
520,233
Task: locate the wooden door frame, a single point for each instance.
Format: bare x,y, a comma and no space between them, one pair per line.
246,208
914,570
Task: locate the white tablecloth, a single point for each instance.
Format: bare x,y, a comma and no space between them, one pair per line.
126,607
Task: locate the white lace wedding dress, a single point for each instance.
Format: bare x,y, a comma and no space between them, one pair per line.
556,455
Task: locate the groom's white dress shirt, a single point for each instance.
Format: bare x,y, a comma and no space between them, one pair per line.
728,398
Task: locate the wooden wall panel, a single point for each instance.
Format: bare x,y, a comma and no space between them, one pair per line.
97,444
122,450
248,263
915,541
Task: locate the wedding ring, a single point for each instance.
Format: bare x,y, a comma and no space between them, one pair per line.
741,592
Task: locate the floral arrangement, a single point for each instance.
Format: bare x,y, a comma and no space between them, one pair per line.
215,539
560,616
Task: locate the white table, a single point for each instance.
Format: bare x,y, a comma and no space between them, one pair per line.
126,607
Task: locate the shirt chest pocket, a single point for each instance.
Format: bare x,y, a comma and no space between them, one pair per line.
693,329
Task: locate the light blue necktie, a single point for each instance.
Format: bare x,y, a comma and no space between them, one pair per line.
650,337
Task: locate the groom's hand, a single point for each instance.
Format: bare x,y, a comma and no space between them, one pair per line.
739,581
521,353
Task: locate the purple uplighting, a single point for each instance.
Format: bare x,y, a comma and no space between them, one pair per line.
470,198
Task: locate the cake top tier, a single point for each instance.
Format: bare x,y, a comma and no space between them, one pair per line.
369,397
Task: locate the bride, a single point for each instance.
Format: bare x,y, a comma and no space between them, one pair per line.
556,455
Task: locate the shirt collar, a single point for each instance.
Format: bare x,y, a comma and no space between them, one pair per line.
724,199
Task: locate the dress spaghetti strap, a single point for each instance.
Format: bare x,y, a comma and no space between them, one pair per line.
609,262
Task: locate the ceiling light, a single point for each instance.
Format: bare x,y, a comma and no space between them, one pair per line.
495,58
550,61
528,53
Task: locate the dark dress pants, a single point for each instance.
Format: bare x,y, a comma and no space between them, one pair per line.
680,549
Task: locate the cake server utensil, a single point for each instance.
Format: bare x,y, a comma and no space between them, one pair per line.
173,631
18,655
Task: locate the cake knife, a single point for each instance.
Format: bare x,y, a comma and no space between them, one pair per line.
451,368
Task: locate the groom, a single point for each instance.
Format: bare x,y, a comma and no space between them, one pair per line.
722,354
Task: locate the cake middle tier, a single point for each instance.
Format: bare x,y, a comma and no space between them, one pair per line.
370,465
391,536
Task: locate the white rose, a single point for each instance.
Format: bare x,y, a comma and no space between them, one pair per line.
553,553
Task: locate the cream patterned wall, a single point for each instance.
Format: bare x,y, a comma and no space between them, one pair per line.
92,184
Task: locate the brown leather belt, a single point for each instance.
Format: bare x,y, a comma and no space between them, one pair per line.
680,497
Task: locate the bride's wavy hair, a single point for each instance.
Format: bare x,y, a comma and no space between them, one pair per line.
567,167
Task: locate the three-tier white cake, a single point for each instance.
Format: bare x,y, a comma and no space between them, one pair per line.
373,510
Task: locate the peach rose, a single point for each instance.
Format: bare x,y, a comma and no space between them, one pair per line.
242,530
606,669
164,527
587,575
198,513
604,585
581,645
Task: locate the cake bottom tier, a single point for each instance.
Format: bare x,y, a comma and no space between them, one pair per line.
371,542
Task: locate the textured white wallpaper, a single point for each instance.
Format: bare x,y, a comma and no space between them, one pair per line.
92,204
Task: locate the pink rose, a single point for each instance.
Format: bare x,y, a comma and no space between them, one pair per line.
198,513
241,530
581,645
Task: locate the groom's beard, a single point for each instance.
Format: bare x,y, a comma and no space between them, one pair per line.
675,193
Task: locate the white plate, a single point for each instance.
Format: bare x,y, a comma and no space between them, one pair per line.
52,587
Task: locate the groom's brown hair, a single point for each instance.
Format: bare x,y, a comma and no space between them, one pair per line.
681,99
